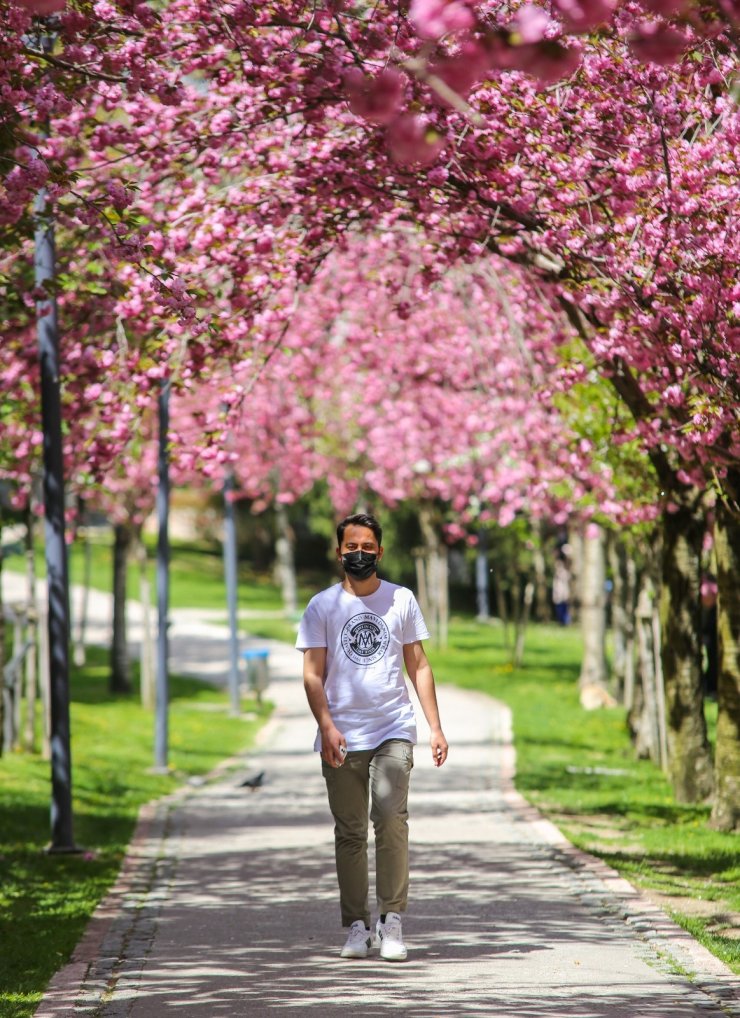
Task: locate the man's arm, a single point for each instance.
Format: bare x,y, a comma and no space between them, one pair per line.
420,673
314,670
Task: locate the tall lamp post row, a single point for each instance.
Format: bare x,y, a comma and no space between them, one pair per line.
161,727
62,825
62,838
62,834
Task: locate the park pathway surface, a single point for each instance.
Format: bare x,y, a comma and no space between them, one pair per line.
227,904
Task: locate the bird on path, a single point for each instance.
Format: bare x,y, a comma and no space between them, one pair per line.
253,783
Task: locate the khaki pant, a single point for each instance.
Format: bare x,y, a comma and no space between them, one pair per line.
379,777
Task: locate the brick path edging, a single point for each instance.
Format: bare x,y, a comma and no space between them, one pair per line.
73,980
646,920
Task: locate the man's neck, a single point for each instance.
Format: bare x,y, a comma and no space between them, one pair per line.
361,588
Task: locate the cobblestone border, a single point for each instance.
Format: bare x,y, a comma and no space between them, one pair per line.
119,935
120,921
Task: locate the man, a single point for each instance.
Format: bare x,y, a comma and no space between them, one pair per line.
356,638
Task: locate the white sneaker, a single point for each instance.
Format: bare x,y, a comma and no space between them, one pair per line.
392,947
358,941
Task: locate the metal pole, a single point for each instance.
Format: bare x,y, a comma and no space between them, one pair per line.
230,573
163,583
481,576
62,839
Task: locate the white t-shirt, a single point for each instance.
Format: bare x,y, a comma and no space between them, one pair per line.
364,639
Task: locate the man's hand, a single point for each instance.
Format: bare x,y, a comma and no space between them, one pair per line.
439,747
333,746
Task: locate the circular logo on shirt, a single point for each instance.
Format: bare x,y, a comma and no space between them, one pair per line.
365,638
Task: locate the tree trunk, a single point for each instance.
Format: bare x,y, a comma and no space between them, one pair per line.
16,680
726,811
120,671
541,592
435,578
503,612
620,613
2,642
660,688
575,566
629,663
645,717
689,757
44,678
84,600
284,549
422,593
31,670
593,677
443,593
624,575
522,622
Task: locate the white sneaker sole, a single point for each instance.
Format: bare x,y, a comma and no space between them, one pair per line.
392,952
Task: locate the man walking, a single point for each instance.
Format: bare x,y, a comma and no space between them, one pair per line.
356,638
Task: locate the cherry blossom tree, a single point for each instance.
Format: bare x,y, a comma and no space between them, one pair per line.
591,146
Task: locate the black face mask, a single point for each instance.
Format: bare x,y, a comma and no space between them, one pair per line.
360,564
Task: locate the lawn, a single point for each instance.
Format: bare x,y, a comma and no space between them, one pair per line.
46,901
579,769
196,574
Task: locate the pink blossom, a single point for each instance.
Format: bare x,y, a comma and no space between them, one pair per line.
42,7
434,18
463,69
584,15
665,8
531,24
414,141
548,61
657,43
376,98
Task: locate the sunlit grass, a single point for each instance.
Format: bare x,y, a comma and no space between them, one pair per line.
46,901
579,768
196,575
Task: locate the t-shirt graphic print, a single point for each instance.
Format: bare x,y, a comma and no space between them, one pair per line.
364,639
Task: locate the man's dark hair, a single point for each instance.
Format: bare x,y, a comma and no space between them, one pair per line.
360,520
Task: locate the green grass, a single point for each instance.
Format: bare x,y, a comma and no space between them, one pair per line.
46,901
196,576
626,816
196,581
270,629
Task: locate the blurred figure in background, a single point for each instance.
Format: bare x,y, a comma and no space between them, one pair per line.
709,633
561,588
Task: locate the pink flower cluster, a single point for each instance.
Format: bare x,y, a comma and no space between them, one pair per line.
494,231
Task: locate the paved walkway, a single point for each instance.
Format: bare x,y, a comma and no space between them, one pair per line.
227,903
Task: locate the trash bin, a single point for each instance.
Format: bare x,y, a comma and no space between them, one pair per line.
257,661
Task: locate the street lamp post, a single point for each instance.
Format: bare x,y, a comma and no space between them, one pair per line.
163,584
230,572
481,576
62,838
